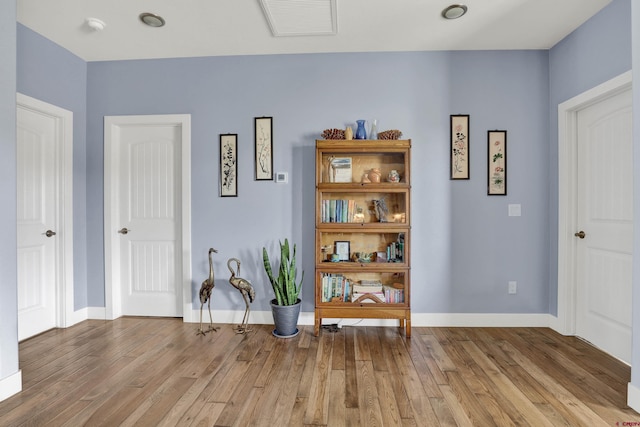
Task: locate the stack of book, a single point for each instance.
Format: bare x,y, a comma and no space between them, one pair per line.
335,287
395,250
393,295
372,287
338,210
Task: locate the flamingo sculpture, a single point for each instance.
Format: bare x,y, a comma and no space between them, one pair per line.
205,296
247,291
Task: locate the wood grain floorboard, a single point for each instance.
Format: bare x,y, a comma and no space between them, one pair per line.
137,371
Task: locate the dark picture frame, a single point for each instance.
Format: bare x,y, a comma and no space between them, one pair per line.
263,132
342,248
459,140
229,165
497,163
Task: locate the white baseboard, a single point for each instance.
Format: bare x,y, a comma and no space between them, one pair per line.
417,319
77,317
10,385
97,313
504,320
633,397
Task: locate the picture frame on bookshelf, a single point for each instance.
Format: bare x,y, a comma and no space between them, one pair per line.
341,170
497,163
263,148
459,146
342,249
229,165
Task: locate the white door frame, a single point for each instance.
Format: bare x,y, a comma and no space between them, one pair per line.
64,208
113,301
567,194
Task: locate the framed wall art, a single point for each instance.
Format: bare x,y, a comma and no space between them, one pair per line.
497,160
459,146
229,165
343,250
264,148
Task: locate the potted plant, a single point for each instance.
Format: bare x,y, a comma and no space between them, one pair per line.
286,305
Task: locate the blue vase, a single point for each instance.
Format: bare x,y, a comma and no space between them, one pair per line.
361,133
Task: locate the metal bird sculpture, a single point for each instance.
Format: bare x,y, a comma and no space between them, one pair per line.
380,209
247,291
205,296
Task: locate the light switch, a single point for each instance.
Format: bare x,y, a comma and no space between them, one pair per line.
515,210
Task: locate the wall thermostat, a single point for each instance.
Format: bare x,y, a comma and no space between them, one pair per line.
282,177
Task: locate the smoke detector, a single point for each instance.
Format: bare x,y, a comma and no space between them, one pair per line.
95,24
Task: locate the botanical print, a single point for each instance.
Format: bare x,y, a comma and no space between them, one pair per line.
460,147
263,148
228,165
497,141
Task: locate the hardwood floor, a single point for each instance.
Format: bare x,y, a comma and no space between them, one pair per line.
157,372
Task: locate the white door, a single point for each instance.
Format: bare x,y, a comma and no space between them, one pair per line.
605,216
43,149
145,228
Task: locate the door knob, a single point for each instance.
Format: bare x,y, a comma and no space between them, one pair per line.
123,230
581,234
50,233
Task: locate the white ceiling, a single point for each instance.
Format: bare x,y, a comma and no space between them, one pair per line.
238,27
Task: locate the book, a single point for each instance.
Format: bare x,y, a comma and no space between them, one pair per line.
393,295
337,210
332,211
335,286
364,289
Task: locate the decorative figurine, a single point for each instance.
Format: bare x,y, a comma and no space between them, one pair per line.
381,210
205,296
375,175
247,291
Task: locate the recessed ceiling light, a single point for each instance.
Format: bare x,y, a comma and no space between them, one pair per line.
454,11
152,20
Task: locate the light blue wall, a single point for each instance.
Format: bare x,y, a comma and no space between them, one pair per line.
465,247
506,91
8,243
596,52
54,75
463,250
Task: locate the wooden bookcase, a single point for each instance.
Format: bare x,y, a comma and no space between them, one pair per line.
347,225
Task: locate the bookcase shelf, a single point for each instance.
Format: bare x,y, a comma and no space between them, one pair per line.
363,229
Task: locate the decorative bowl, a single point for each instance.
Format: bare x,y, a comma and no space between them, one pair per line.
363,257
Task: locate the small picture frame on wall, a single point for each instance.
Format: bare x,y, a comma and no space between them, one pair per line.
342,249
497,161
264,148
229,165
459,146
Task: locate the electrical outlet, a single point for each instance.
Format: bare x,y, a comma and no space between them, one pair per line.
513,287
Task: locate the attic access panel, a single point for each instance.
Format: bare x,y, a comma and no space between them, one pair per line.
301,17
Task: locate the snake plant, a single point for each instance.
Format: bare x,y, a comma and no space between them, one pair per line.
284,285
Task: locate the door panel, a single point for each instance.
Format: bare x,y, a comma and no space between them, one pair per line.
605,214
36,213
149,253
